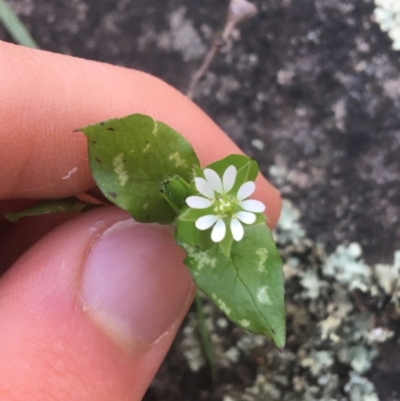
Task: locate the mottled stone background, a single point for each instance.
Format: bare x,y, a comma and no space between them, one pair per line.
309,88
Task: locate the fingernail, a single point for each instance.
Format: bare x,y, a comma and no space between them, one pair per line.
134,283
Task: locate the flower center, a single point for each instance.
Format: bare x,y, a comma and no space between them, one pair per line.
224,205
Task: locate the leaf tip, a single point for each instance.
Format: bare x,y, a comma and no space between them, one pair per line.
11,217
279,342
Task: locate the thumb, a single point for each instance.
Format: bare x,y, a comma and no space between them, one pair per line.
90,311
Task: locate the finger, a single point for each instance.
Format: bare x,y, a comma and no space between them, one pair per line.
45,96
89,312
17,238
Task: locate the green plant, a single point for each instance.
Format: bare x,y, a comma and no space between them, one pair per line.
151,171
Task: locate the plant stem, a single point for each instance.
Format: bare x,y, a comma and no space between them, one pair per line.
205,338
238,11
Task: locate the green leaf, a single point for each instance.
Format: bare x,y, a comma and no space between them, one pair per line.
248,285
247,169
175,191
131,157
50,206
188,233
148,169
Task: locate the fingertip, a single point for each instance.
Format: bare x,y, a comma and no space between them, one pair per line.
91,310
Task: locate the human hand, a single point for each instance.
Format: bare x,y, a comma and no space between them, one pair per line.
90,310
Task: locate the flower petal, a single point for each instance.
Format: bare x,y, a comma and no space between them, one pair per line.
246,190
205,222
252,206
228,179
219,231
204,187
246,217
213,179
197,202
237,229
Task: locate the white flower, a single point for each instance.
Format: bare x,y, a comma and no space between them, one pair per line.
226,206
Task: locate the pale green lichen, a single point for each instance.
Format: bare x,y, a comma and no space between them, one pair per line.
311,283
388,278
359,357
387,15
318,361
232,354
289,229
182,36
360,388
279,174
328,330
347,268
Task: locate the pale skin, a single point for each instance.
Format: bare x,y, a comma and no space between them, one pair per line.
51,347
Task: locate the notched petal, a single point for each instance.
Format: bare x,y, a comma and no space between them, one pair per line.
204,187
229,178
252,205
205,222
213,179
237,229
219,231
197,202
246,190
246,217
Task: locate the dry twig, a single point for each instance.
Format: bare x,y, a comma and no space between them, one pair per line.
238,11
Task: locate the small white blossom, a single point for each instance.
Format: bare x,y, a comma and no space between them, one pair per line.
226,206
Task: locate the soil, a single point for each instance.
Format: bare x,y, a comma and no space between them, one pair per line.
310,88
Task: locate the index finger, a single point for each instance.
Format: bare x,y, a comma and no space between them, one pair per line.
45,96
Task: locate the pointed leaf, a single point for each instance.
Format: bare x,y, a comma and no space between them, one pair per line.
238,161
131,157
248,285
50,206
